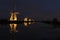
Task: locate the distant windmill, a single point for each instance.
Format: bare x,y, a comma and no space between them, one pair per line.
13,16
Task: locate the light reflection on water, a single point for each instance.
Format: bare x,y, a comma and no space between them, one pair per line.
13,29
13,26
9,32
26,33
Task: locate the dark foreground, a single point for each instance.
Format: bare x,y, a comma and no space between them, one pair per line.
32,32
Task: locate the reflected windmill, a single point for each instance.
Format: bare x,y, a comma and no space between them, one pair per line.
13,26
13,20
13,17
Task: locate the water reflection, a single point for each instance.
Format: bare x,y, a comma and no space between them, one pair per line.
12,36
13,27
13,30
25,24
27,21
13,17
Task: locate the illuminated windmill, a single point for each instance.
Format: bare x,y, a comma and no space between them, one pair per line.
13,17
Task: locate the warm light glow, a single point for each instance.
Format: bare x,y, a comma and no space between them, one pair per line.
25,19
30,21
13,16
25,24
13,27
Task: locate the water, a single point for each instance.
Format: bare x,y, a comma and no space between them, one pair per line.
35,31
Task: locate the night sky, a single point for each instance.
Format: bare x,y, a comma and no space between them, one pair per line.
40,9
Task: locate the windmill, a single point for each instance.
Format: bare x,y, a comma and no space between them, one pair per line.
13,16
